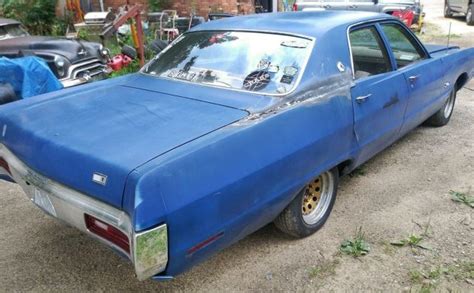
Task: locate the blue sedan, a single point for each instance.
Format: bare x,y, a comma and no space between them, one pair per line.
238,123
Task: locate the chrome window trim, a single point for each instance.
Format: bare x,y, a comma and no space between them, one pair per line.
293,89
348,39
380,21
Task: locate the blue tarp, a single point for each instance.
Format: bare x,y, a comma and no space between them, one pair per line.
29,76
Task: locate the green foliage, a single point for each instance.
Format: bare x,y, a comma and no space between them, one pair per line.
461,197
37,15
158,5
131,68
357,246
359,171
412,240
324,269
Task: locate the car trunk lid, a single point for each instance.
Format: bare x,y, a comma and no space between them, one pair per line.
106,132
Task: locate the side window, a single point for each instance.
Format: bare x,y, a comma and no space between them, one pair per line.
3,32
404,47
369,55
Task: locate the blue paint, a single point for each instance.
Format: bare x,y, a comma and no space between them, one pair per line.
186,155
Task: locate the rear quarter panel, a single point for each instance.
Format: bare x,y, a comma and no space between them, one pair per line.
456,62
238,179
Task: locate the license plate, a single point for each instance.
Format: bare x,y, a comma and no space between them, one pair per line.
41,199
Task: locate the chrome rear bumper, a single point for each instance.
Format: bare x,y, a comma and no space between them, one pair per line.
148,249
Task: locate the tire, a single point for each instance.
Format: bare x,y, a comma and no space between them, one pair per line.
157,46
444,114
7,94
447,10
301,217
129,51
470,15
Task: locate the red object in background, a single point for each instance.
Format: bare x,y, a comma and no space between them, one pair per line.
406,16
119,61
295,7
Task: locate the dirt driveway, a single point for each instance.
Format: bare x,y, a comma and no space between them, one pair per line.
403,191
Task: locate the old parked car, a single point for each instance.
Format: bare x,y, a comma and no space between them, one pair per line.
239,123
465,7
72,61
383,6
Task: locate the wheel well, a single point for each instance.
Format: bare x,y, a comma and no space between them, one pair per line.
461,81
344,167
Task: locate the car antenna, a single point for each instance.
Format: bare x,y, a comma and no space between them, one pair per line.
449,35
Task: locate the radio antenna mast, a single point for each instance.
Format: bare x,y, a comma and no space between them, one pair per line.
449,35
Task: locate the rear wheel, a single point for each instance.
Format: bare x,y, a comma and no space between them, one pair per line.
447,10
443,115
310,209
470,15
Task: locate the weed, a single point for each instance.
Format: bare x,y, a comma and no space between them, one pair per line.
462,197
359,171
415,276
427,279
357,246
462,271
414,240
324,269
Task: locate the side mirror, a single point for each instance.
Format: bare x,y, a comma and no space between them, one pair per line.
376,2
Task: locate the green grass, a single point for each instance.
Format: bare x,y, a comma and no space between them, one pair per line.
131,68
323,270
412,240
461,197
360,171
426,280
357,246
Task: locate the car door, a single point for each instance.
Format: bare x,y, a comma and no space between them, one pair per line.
456,5
362,5
423,75
379,94
334,4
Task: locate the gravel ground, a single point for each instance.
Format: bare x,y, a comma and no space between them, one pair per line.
402,191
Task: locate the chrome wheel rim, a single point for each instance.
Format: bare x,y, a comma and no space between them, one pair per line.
317,198
448,108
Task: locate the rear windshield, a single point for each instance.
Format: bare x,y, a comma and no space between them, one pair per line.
257,62
12,31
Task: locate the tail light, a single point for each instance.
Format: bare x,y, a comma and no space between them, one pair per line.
107,232
295,7
4,165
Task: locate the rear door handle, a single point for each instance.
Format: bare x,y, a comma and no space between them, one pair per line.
393,100
362,99
352,6
414,78
327,6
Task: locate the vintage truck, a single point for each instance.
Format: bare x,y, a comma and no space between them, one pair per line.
465,7
382,6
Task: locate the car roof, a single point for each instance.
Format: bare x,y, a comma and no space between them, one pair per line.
307,23
7,21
